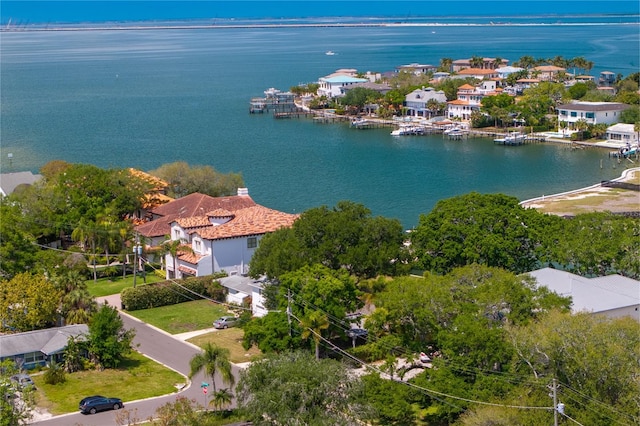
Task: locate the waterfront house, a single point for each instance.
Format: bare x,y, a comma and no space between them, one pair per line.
478,73
487,63
546,72
590,112
504,72
470,98
614,296
417,69
335,84
607,79
623,134
39,347
219,234
416,101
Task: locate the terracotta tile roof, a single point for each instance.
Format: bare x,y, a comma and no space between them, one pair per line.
458,102
192,222
219,213
189,257
474,71
466,86
548,68
255,220
191,205
187,270
198,204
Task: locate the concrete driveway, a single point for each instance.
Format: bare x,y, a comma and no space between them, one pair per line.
161,347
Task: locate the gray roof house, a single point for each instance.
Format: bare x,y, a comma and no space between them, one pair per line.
38,347
416,101
613,295
9,181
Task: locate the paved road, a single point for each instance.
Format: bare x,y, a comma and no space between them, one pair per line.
161,347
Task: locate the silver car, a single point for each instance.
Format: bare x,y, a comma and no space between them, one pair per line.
225,322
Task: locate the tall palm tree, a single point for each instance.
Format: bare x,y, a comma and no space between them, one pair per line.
213,359
87,233
313,325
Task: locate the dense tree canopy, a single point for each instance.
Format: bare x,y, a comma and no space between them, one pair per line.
489,229
17,248
294,388
28,302
343,237
108,342
184,180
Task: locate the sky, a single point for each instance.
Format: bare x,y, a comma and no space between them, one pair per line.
79,11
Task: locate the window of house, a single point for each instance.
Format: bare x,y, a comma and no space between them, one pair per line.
590,115
197,245
574,114
252,242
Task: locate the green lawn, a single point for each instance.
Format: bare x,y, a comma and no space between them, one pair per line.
138,377
183,317
115,285
231,338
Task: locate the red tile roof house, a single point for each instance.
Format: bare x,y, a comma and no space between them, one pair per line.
221,232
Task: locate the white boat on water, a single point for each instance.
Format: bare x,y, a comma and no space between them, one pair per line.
512,138
408,130
329,53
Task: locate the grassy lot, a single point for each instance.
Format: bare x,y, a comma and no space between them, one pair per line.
231,338
138,377
183,317
114,285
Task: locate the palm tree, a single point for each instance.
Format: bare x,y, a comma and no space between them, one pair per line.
313,325
221,399
214,359
173,248
86,232
445,64
477,62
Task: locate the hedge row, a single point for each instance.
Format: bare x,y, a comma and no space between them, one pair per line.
167,293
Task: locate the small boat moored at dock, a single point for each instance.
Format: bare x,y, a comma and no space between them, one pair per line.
512,138
404,130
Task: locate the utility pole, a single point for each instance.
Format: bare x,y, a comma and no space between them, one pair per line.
555,403
289,309
137,251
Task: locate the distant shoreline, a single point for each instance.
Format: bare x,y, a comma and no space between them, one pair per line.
159,26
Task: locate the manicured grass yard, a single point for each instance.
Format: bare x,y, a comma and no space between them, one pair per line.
231,338
183,317
138,377
115,285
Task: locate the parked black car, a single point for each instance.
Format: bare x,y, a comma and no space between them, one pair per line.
93,404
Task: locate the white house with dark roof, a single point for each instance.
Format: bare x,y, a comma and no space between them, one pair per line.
220,234
39,347
590,112
613,295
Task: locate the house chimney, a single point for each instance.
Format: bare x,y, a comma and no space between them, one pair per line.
243,191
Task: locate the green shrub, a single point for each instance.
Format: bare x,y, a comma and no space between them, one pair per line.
55,374
165,293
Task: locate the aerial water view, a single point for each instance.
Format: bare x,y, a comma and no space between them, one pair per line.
389,164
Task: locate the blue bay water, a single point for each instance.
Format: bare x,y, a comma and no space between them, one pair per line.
145,98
